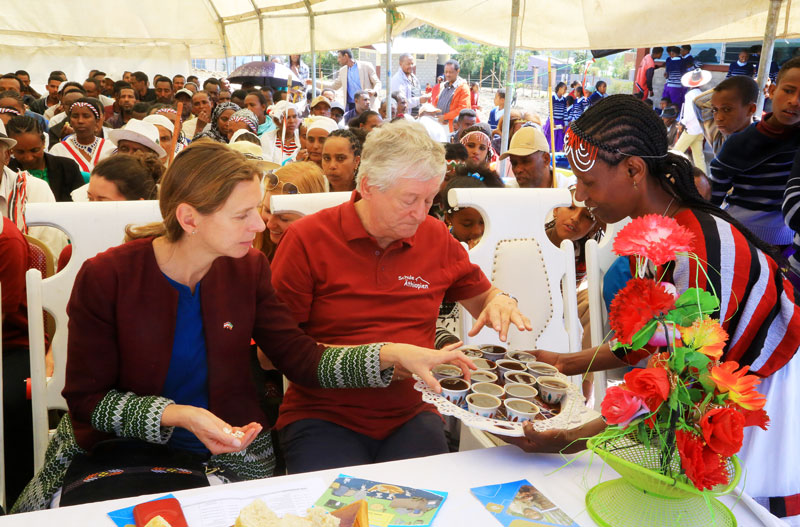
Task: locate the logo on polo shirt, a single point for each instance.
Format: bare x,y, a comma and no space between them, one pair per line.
415,282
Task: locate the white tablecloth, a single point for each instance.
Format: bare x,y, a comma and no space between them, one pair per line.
454,473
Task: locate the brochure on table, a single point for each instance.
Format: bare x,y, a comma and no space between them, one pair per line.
520,504
389,504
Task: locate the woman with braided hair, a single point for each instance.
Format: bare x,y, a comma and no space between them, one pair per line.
618,151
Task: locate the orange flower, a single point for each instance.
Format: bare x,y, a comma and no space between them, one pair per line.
705,336
739,386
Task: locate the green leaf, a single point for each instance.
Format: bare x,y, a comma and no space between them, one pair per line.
696,395
694,303
708,384
642,336
721,398
683,396
673,400
677,362
697,360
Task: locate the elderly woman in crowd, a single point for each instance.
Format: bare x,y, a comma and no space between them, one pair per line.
243,119
377,265
341,156
177,373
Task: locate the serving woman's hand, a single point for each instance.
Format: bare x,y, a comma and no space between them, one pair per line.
556,441
210,429
413,360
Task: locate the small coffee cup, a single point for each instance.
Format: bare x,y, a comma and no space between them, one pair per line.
538,369
520,356
520,410
516,390
520,377
488,388
493,352
443,371
504,365
483,376
552,389
472,352
484,364
483,404
455,390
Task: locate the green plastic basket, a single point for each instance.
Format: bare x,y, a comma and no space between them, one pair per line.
646,498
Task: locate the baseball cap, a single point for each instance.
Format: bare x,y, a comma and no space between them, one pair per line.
137,131
184,91
320,99
10,143
525,142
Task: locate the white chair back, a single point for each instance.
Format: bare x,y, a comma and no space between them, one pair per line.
2,421
599,257
516,255
306,204
93,228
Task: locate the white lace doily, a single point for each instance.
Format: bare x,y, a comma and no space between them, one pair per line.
574,413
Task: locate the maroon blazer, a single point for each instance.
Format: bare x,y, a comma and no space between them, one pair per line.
122,315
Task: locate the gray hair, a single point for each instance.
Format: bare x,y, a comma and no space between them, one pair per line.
398,150
405,56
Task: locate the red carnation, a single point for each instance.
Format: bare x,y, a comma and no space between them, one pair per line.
722,430
651,384
757,418
704,467
655,237
636,304
621,406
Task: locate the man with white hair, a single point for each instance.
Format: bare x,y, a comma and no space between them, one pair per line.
374,267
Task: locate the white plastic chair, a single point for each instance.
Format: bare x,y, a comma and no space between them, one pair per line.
305,204
93,228
2,421
599,257
517,256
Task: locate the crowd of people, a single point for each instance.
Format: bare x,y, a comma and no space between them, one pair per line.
171,333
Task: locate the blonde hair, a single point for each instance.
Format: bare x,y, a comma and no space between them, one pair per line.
308,178
401,149
203,176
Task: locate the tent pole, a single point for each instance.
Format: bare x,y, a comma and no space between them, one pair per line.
512,66
388,76
313,56
225,50
311,33
766,52
260,28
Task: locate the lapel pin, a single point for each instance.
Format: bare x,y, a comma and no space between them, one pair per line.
228,326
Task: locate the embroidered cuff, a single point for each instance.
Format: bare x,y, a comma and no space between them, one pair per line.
257,461
130,415
353,367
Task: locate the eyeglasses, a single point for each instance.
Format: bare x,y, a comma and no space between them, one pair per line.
272,181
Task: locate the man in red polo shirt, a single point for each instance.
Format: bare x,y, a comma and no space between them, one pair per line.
374,269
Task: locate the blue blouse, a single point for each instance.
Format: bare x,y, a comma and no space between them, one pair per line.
187,377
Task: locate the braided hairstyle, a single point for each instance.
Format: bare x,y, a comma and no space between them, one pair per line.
22,124
623,125
355,143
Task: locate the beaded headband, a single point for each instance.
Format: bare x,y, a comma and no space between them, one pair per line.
82,104
583,149
482,138
9,110
167,110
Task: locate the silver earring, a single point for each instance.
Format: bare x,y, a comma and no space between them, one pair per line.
194,232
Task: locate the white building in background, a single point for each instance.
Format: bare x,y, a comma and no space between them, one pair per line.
431,54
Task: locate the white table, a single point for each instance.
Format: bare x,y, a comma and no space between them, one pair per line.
454,473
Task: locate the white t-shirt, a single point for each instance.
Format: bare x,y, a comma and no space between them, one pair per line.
689,118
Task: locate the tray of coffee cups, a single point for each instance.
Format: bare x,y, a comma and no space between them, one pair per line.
509,388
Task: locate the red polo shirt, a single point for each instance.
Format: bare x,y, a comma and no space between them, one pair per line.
13,266
344,289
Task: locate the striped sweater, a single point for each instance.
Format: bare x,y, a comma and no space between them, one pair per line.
758,307
577,109
736,68
755,163
559,109
791,211
674,70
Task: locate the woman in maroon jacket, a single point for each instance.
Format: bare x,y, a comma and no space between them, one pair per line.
160,329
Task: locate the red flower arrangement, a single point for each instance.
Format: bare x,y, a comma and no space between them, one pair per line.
685,400
657,238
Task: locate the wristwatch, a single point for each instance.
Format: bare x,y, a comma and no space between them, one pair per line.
515,299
